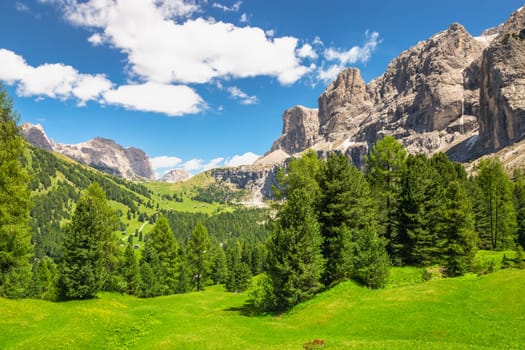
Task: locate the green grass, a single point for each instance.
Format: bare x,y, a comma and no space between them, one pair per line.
486,312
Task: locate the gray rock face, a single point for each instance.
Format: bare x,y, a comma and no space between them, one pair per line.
451,93
502,98
35,135
175,175
103,154
300,130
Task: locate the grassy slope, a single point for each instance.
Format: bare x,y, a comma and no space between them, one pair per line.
485,312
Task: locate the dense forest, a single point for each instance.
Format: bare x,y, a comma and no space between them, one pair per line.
63,227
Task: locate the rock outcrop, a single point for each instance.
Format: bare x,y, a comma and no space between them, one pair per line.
502,97
452,93
300,130
175,175
102,154
35,135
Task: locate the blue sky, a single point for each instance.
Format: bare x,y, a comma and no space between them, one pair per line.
198,83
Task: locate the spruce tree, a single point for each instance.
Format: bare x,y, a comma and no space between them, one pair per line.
219,272
87,246
15,236
385,166
371,262
519,204
130,271
160,261
346,211
494,209
199,255
239,274
458,228
295,262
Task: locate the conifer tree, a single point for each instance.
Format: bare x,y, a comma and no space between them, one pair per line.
385,166
495,212
519,204
130,270
44,279
295,262
346,211
458,228
219,271
15,236
160,261
199,255
87,246
239,273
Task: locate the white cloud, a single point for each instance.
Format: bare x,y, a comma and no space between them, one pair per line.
172,100
346,57
50,80
190,51
356,53
195,166
238,94
269,33
164,162
307,51
234,8
21,7
96,39
247,158
244,19
64,82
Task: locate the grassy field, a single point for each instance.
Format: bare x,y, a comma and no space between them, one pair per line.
486,312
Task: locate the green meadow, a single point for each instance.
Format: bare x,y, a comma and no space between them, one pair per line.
470,312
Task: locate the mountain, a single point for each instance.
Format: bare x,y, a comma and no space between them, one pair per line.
451,93
100,153
175,175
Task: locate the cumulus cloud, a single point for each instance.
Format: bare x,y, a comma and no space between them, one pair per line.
244,19
64,82
164,162
247,158
234,8
50,80
307,51
189,51
244,98
343,58
172,100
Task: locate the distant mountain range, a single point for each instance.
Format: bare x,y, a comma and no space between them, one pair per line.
451,93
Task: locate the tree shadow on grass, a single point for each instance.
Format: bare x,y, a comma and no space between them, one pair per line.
248,310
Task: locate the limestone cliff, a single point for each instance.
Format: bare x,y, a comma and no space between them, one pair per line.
103,154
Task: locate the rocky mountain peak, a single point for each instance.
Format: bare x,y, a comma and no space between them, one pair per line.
175,175
300,130
502,93
35,135
100,153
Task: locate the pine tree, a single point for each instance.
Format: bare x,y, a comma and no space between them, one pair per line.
385,166
239,273
346,210
494,209
88,246
458,228
295,262
519,204
371,260
130,270
219,272
199,255
15,236
44,281
419,212
160,261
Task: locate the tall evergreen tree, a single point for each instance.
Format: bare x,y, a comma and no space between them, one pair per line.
160,261
419,213
495,212
15,236
300,173
219,272
130,270
385,166
199,255
295,262
239,273
87,246
457,226
519,204
346,211
44,281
